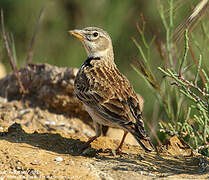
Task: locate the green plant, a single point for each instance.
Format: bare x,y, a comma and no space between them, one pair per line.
183,91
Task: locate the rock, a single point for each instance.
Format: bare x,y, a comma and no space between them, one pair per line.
59,159
2,71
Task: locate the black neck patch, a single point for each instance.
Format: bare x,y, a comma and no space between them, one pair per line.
88,60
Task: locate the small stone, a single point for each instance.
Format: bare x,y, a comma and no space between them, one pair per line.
24,111
88,133
59,159
48,122
18,168
35,162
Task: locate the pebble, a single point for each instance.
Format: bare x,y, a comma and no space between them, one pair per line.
24,111
50,122
3,100
88,133
59,159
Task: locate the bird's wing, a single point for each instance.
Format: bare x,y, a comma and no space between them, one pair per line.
114,99
124,113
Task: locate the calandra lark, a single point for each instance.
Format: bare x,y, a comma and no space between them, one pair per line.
107,94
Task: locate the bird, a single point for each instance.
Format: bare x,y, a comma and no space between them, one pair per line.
106,93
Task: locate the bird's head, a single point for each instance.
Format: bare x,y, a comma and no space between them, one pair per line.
95,40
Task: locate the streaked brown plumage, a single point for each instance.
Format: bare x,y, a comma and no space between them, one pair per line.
107,95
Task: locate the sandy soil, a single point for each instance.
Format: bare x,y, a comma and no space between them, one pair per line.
36,143
42,131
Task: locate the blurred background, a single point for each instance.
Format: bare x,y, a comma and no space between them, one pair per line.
55,46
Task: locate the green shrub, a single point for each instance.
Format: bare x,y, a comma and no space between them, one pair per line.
182,91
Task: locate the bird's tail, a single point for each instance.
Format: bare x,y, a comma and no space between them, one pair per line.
142,138
145,143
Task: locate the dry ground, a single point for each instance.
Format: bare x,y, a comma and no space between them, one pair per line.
41,134
43,144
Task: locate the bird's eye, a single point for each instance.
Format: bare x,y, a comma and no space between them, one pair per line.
95,34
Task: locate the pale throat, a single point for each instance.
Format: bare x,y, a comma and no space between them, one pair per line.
107,53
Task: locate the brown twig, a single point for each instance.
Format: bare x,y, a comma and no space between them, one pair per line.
31,49
11,57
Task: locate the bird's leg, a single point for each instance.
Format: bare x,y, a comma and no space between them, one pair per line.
118,150
98,129
89,142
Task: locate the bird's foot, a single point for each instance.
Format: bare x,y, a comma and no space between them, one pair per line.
114,152
120,152
80,148
84,146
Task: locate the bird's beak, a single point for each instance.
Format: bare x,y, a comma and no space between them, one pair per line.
77,33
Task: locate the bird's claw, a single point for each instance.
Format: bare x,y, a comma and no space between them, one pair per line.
114,152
